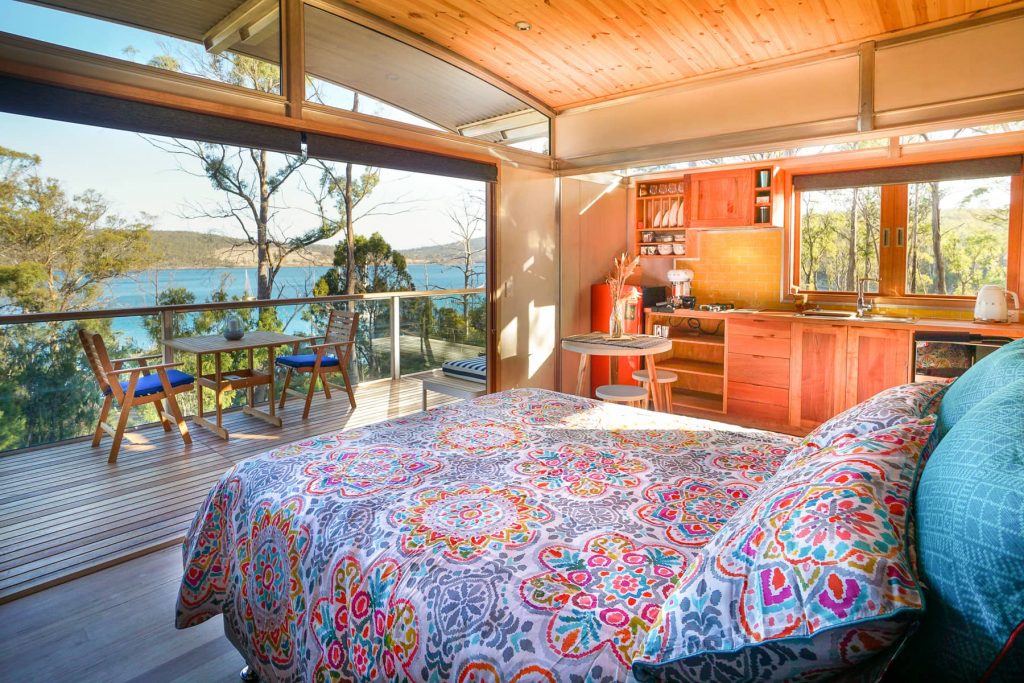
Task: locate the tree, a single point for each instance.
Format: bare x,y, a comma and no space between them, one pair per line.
377,268
251,179
468,220
58,249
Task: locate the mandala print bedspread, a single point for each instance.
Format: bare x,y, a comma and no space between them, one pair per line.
525,536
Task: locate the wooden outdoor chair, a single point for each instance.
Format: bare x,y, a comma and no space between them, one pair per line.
140,388
341,337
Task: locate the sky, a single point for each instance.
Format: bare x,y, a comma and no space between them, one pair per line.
137,178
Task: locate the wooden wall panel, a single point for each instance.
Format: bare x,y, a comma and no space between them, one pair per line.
526,278
593,232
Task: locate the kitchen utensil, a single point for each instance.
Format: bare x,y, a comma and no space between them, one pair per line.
657,220
647,236
664,249
665,238
681,237
679,249
990,306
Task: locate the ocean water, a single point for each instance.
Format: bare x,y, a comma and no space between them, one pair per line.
142,288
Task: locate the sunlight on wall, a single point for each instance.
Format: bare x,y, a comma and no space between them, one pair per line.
543,337
507,341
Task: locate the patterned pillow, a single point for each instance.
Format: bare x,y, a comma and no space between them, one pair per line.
991,373
970,535
808,578
884,409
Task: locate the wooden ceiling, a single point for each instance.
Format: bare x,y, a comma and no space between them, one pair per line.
583,51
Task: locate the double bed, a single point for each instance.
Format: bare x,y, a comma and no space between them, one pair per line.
534,537
523,536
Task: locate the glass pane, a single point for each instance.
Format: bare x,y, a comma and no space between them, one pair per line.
957,235
349,66
243,42
839,238
441,328
963,132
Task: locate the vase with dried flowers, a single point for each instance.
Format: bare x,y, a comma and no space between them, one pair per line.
622,269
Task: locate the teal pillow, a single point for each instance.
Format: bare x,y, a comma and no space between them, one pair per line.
989,374
970,535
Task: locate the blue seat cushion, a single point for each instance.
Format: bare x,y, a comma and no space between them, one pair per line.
988,375
306,360
970,540
150,384
473,369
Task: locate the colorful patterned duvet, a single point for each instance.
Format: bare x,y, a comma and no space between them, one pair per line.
524,536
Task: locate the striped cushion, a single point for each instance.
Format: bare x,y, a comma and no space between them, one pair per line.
473,369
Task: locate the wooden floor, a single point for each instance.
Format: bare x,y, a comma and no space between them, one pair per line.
64,512
114,626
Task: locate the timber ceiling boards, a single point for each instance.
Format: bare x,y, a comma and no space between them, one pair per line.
583,51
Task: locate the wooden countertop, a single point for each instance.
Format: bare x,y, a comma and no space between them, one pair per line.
1015,330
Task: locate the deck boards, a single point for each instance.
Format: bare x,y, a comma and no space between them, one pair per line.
65,512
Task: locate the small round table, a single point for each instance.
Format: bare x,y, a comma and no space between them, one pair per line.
586,350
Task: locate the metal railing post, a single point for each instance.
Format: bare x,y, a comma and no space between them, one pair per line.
396,330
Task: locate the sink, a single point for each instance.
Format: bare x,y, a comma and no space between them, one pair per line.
889,318
832,315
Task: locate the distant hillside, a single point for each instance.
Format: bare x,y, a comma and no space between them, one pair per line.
186,249
443,253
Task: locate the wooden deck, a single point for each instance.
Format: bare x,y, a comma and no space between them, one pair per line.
64,512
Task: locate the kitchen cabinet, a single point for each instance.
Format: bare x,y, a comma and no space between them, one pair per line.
758,370
817,386
876,359
721,199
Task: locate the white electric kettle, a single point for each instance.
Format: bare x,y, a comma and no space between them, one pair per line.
991,304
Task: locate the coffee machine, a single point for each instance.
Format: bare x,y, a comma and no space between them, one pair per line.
681,297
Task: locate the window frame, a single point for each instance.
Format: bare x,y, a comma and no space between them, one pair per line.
892,287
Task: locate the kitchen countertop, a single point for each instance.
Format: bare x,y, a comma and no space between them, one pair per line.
996,329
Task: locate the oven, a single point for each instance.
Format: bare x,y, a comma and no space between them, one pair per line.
947,355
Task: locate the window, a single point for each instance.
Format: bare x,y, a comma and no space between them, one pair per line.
927,230
957,235
231,42
839,238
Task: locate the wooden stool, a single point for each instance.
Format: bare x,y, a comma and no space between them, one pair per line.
663,383
623,393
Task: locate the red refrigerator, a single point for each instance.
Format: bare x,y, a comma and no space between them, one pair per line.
600,312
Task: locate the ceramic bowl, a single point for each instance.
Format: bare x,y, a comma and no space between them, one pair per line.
678,249
680,237
664,249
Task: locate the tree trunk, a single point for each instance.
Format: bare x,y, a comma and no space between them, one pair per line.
912,240
350,244
940,265
264,278
851,264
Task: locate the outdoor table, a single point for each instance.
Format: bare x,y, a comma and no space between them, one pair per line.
243,378
598,344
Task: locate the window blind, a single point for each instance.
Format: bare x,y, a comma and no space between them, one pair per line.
27,98
373,154
915,173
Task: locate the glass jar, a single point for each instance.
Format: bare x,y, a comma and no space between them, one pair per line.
233,329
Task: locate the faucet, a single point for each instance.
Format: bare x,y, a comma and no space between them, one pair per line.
863,306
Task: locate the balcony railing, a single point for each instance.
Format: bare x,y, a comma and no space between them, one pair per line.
47,394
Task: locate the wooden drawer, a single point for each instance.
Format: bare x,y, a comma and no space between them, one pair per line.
752,410
759,328
752,393
760,345
764,371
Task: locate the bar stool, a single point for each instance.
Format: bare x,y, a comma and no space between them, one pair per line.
663,382
622,393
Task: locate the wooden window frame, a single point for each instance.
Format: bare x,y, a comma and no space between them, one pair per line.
893,253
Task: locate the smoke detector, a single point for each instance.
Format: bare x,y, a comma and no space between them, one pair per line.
523,26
